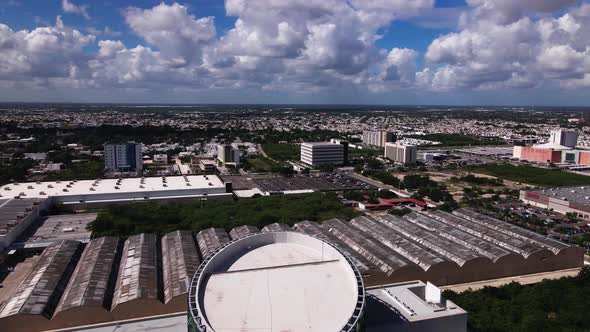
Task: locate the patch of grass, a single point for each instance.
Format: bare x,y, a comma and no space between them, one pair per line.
282,152
531,175
260,164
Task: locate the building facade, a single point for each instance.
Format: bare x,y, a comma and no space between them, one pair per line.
401,153
321,153
565,137
228,154
378,138
123,157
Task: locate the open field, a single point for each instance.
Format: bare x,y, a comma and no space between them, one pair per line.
531,175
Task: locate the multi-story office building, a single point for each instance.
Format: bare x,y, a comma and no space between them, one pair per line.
320,153
564,137
378,138
123,157
401,153
228,154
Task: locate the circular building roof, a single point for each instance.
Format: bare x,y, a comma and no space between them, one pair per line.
277,281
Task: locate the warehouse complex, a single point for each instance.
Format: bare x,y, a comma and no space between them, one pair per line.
107,279
572,199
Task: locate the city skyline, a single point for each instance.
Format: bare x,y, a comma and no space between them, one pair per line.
423,52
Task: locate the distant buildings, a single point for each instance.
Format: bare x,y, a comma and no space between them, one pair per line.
401,153
321,153
565,137
227,154
207,166
161,159
563,200
559,149
378,138
123,157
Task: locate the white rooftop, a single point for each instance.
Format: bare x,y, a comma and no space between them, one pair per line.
296,283
551,145
176,184
416,301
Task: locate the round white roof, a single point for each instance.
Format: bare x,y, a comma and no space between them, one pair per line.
283,281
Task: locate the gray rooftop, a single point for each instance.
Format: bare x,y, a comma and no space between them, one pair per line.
41,289
138,271
243,231
512,230
468,240
498,238
314,229
576,194
89,284
14,211
452,251
210,239
410,250
378,254
276,227
180,260
61,227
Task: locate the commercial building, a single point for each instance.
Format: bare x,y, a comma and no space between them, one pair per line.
161,159
412,306
207,166
565,137
570,199
122,158
302,282
16,215
227,154
109,191
378,138
321,153
401,153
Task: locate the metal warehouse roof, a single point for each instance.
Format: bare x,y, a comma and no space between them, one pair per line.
454,234
210,239
381,256
444,247
180,260
243,231
89,284
40,290
511,230
314,229
13,211
525,248
138,271
412,251
110,186
276,227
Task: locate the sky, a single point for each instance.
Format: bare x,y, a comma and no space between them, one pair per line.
390,52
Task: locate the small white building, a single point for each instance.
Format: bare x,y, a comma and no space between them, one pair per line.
161,159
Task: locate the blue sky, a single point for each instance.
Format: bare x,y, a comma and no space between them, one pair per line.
336,51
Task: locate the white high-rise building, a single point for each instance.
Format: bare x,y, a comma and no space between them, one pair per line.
126,157
565,137
378,138
228,154
401,153
319,153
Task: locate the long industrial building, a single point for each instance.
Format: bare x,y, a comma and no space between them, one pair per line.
568,199
95,193
108,279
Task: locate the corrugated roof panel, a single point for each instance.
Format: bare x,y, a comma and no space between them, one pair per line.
138,271
381,256
89,285
41,289
180,260
314,229
243,231
210,239
276,227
